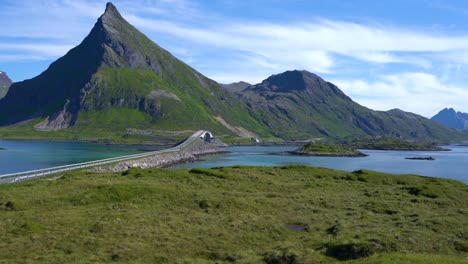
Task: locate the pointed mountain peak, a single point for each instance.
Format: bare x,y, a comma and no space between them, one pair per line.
112,19
294,80
449,111
111,10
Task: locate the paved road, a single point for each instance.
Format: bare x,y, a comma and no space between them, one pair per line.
22,176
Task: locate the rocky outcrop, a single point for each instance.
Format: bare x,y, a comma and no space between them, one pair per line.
189,154
5,84
420,158
58,120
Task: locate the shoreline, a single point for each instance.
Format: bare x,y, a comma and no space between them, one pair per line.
192,153
326,154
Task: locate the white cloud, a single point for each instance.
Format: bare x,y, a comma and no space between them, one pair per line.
37,49
417,92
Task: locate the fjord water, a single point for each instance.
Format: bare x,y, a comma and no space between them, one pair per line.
25,155
447,164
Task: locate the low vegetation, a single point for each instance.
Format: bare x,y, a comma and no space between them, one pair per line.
291,214
317,149
386,143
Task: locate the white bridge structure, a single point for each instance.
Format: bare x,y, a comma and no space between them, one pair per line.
207,136
22,176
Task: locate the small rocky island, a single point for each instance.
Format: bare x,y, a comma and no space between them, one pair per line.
325,150
420,158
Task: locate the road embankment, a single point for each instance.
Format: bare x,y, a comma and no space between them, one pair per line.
190,153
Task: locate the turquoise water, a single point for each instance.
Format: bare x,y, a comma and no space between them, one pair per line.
25,155
447,164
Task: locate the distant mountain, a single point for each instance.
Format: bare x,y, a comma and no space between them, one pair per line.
300,103
118,78
450,118
236,87
5,84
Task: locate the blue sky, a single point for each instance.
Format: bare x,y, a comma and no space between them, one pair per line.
411,55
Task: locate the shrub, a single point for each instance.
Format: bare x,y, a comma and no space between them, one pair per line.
207,173
351,251
203,204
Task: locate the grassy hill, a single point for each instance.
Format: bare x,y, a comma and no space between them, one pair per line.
291,214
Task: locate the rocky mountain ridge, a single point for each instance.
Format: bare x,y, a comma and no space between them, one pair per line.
307,105
451,118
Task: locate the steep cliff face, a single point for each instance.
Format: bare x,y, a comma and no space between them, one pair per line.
5,84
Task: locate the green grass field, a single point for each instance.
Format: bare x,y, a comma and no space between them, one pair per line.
292,214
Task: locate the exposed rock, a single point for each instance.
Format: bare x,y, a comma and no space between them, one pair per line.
240,131
191,153
59,120
420,158
5,84
153,95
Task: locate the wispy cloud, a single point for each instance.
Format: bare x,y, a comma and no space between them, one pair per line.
48,50
412,91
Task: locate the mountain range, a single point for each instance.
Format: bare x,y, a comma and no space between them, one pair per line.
451,118
118,79
5,84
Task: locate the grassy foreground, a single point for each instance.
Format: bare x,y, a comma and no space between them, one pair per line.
292,214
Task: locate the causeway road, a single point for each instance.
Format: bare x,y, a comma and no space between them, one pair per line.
27,175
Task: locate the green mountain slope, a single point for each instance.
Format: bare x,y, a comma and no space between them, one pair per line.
118,74
309,106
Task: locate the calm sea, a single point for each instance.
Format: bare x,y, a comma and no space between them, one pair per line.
447,164
24,155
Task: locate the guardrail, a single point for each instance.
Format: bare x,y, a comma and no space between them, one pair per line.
26,175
